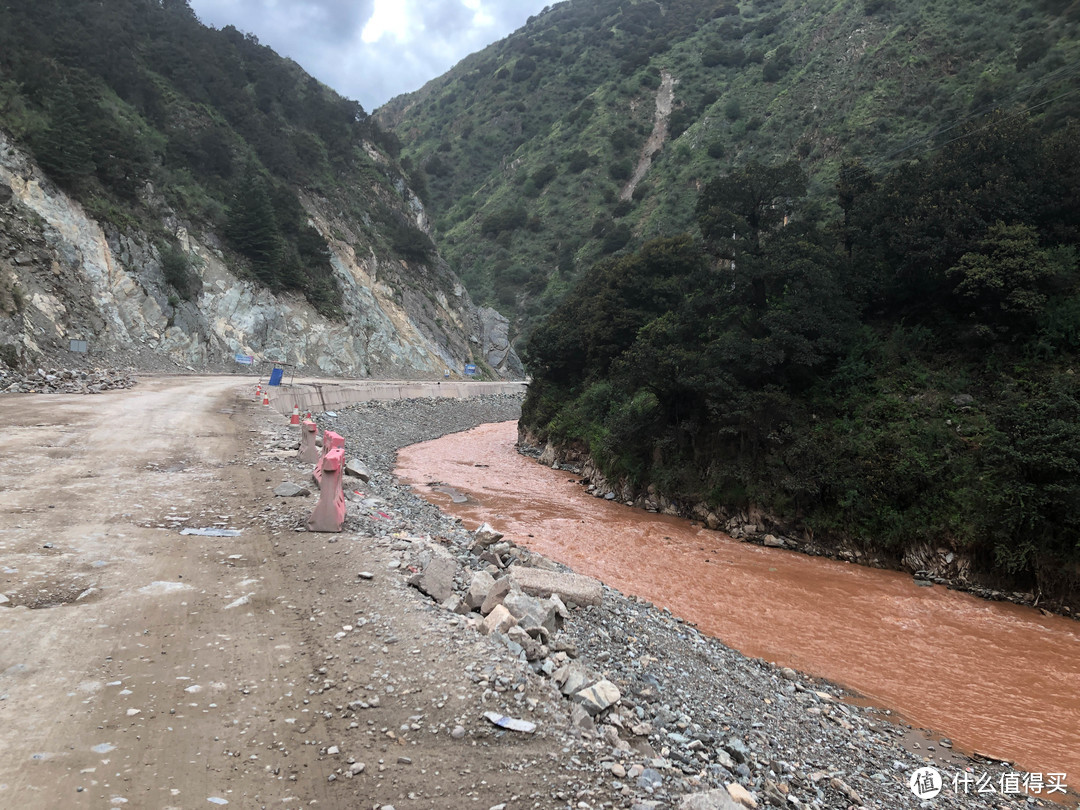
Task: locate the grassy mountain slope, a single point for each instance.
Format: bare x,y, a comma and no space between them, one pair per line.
527,146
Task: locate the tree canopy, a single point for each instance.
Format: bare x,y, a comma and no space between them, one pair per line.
902,374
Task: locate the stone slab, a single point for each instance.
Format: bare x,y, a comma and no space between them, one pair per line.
712,800
581,590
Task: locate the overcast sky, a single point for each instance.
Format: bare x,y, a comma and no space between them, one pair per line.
372,50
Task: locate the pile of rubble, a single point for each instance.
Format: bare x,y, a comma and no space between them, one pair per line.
524,609
676,715
64,381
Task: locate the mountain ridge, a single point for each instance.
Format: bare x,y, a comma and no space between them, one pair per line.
194,159
528,144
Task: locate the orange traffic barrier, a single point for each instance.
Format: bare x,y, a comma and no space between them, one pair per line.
329,513
295,418
309,451
330,441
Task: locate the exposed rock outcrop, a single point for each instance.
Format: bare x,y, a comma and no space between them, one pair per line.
495,343
64,275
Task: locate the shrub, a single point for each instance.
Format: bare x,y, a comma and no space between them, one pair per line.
577,161
524,68
616,239
9,355
177,271
409,242
545,174
1034,48
508,218
621,169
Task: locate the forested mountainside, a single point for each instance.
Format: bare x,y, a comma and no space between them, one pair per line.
249,207
591,129
898,381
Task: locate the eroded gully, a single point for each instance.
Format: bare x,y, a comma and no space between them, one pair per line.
995,677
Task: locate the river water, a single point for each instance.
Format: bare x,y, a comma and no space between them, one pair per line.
996,678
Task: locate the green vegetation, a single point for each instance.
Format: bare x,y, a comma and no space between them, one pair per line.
764,80
124,101
176,268
900,373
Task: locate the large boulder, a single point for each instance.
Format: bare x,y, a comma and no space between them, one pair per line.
572,678
288,489
531,612
496,595
741,796
594,699
498,621
581,590
437,578
357,469
712,800
480,586
532,648
484,538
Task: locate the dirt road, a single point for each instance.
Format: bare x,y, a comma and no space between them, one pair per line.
143,668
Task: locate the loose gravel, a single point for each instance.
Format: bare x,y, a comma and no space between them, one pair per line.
694,715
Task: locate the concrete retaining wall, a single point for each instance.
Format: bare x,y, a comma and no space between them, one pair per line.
322,396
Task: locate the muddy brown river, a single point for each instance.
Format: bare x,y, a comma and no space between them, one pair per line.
996,678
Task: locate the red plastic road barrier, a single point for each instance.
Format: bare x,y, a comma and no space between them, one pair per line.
295,418
329,513
330,441
309,451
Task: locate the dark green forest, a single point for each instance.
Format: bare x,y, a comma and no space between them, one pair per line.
123,101
903,371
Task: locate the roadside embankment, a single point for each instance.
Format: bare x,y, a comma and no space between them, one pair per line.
319,396
643,709
941,563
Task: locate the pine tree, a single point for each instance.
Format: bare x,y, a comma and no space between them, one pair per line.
63,149
252,229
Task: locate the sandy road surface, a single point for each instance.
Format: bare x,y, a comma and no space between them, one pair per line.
132,691
142,668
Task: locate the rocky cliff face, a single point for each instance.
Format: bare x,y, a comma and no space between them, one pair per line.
65,275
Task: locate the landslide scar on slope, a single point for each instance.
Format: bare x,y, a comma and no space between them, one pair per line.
665,97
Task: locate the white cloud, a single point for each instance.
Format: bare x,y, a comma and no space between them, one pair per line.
481,17
372,50
390,18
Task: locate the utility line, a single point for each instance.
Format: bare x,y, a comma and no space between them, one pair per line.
1011,115
1057,75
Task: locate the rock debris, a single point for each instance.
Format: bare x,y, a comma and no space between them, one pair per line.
634,707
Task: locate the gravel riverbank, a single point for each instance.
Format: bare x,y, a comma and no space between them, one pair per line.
692,716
